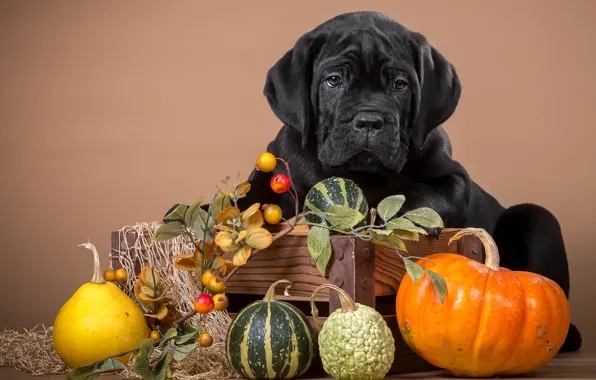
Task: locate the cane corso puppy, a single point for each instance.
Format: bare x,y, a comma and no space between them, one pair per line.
363,97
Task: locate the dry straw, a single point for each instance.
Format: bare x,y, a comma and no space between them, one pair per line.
32,350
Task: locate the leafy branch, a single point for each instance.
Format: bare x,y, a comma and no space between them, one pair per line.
391,232
173,347
226,238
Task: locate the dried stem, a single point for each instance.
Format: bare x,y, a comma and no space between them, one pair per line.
185,318
490,247
347,303
97,275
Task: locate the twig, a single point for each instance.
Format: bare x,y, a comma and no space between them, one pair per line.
184,318
295,193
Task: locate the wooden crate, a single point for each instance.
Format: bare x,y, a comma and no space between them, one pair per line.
370,273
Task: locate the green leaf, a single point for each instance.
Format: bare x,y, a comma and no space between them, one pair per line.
220,203
343,217
192,212
323,260
390,241
198,226
161,370
414,270
181,352
168,231
405,225
168,336
141,363
182,339
389,206
111,365
317,241
381,232
406,235
319,246
426,217
439,284
90,372
87,372
177,215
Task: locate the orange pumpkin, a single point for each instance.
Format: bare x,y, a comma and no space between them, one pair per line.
493,321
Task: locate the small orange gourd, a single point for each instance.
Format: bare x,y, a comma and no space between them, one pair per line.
492,321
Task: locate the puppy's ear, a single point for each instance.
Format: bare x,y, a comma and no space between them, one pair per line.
438,92
288,86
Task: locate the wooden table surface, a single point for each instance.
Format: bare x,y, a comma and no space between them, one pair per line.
578,365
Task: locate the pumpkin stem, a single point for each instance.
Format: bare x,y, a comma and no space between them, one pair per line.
97,276
490,247
270,295
347,303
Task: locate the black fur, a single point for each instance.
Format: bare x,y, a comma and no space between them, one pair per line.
388,137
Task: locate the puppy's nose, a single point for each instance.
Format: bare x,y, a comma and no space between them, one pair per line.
368,120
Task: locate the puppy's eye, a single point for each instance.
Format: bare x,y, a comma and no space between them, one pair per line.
400,85
333,81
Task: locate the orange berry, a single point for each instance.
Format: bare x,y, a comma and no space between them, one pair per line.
121,275
266,162
216,284
221,302
272,214
109,275
155,335
204,303
280,183
205,340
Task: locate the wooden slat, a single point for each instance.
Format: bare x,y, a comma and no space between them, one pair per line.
390,268
287,258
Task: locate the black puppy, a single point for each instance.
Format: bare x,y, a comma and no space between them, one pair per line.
363,97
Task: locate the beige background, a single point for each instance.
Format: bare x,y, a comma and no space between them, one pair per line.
111,111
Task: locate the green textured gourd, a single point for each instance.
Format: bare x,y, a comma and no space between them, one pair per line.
270,339
334,191
355,342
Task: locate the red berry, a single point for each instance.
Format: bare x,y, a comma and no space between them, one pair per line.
204,303
280,183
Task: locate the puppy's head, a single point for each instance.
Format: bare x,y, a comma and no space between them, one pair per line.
364,90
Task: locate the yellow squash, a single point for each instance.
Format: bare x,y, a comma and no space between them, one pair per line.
99,320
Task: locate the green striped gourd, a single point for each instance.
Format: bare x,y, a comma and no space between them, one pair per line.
270,339
334,191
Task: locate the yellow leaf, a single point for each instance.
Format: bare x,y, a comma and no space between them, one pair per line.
209,249
225,241
187,264
259,238
250,211
149,292
242,256
183,256
241,190
149,276
137,292
161,314
241,236
228,213
222,266
222,227
146,295
254,221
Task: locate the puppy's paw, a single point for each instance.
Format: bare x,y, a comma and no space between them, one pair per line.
433,232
